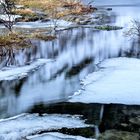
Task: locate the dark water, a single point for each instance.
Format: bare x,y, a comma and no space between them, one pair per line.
104,117
76,53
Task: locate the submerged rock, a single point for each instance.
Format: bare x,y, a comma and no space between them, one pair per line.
109,9
119,135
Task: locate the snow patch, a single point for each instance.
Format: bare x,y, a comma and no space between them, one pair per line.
39,24
27,124
11,73
117,81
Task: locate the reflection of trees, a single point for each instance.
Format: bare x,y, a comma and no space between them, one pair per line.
41,49
9,91
79,67
10,57
134,50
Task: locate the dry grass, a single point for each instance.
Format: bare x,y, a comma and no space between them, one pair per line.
57,8
24,12
20,39
41,36
40,4
11,39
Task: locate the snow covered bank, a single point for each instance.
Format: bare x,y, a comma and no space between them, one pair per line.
57,136
27,124
117,81
39,24
60,24
19,72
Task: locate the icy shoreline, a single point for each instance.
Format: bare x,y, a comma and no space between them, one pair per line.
117,81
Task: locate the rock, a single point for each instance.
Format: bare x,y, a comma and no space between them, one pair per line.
46,20
109,9
77,20
108,27
119,135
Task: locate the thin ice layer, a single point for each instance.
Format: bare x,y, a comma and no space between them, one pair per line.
27,124
18,72
117,81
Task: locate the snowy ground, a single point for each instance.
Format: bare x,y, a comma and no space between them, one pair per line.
20,127
60,24
117,81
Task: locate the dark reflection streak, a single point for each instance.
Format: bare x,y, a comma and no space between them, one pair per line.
101,112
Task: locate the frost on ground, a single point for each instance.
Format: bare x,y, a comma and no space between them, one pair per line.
57,136
19,72
20,127
117,81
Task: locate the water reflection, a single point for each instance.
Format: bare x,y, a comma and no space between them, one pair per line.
76,52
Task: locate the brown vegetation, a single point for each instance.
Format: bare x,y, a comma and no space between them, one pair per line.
20,40
57,8
13,39
52,8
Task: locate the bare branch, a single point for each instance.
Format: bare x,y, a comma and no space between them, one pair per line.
8,19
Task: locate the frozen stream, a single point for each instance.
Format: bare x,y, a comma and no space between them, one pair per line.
45,86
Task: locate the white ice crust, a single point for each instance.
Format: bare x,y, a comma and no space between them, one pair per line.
116,81
24,125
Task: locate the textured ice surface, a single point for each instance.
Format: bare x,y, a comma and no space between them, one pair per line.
57,136
117,81
18,72
27,124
